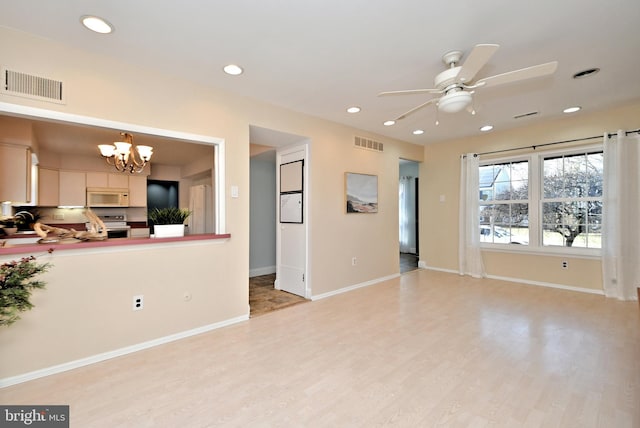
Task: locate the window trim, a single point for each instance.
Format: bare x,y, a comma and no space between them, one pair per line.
536,180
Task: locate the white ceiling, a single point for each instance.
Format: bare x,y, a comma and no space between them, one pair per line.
320,57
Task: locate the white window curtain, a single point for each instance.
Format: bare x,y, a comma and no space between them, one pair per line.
469,255
406,213
621,216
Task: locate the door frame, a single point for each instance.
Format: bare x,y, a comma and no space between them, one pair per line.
280,153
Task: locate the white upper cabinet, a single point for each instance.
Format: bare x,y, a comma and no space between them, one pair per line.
15,173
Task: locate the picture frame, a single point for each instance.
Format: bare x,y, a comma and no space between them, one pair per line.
361,193
291,192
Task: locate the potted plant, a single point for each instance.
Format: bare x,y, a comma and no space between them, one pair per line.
16,284
168,222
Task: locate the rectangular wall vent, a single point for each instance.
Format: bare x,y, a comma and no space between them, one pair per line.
520,116
365,143
30,86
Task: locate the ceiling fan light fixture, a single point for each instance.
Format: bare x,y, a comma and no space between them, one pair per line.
454,102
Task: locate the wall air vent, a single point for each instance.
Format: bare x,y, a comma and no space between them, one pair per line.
30,86
520,116
367,144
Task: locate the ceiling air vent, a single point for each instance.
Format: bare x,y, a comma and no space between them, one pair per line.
30,86
520,116
365,143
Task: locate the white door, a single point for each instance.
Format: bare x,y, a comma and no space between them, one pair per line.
291,231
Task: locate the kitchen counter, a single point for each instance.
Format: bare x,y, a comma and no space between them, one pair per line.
14,248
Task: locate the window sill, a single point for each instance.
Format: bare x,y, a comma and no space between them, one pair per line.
578,253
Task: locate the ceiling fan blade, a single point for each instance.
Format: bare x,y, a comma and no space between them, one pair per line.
479,56
411,91
517,75
415,109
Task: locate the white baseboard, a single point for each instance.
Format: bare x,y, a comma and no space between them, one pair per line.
547,284
524,281
116,353
423,265
267,270
354,287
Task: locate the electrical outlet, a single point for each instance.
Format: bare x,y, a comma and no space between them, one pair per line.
138,302
58,216
565,264
354,261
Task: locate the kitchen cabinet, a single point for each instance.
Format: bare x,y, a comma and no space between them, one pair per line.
118,181
107,180
137,190
15,173
73,189
48,187
141,232
96,179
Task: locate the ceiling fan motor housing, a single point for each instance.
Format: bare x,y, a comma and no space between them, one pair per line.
446,78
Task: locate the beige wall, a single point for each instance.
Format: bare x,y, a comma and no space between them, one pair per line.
440,175
86,308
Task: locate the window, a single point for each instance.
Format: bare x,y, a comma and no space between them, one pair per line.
551,200
572,200
504,203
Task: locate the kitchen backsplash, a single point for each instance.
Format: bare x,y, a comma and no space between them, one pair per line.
76,215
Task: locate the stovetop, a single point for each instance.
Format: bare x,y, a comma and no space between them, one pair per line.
113,221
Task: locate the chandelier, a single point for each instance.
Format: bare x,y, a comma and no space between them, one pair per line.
125,156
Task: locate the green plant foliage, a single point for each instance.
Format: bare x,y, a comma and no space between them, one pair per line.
16,285
168,215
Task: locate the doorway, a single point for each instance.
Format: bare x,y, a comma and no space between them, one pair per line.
408,205
266,287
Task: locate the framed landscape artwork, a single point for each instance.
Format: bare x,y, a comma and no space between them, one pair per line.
361,193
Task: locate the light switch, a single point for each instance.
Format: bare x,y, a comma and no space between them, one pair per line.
235,192
442,198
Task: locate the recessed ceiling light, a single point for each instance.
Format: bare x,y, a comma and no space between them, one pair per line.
354,109
585,73
486,128
389,123
233,69
418,132
96,24
572,109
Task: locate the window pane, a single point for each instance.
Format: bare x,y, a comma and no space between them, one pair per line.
486,214
553,180
594,174
503,190
506,223
504,182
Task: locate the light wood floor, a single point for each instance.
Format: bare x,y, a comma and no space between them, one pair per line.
427,349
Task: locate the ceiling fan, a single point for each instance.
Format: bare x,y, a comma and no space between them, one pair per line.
456,84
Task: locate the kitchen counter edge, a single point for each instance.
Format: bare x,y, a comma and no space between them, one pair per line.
114,242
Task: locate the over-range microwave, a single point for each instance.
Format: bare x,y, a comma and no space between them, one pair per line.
107,197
